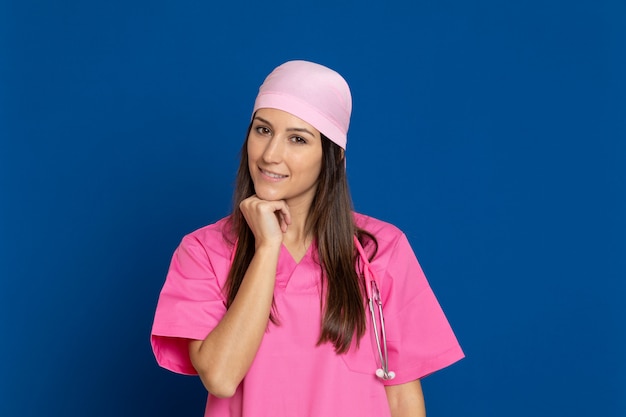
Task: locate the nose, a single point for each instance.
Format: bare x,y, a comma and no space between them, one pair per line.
273,152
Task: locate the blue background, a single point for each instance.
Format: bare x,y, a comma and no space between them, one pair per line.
493,133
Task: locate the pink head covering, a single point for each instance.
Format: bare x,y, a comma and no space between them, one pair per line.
311,92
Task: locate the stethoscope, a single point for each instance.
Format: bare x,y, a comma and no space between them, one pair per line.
376,315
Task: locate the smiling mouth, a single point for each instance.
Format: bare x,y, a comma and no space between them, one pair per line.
272,174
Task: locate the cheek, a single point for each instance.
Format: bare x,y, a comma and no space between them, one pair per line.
314,167
253,153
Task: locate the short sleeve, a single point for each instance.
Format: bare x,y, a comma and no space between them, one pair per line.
190,305
419,338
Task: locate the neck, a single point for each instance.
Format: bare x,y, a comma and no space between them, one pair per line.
297,234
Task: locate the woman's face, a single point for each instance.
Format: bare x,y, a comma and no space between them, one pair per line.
284,157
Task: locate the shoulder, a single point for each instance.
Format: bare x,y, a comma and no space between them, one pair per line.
384,232
211,239
391,241
211,232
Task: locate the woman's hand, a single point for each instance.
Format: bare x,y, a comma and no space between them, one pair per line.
268,220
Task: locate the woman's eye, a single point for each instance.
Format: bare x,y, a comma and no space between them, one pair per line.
298,139
263,130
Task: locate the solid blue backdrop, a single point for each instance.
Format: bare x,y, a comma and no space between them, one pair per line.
492,133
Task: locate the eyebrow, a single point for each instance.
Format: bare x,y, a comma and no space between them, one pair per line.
290,129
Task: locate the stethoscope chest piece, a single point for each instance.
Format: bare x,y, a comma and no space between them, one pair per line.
385,376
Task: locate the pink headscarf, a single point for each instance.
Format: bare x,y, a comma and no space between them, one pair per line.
311,92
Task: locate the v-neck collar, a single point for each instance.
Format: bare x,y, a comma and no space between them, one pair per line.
287,265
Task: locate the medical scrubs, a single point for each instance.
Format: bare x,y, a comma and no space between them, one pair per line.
291,375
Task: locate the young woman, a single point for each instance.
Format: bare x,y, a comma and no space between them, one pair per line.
270,305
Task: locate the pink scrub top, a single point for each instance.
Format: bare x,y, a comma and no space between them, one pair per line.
291,375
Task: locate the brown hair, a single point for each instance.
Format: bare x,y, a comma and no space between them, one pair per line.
331,223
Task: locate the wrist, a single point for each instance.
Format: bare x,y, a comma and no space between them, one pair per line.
268,247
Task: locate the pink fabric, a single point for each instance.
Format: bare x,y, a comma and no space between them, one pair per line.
312,92
290,375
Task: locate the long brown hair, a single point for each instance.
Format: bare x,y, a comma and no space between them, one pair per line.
331,223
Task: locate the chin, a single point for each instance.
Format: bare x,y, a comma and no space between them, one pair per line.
269,196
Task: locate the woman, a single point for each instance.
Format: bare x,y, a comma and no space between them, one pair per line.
269,305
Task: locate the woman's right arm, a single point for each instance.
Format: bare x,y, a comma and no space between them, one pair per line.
223,358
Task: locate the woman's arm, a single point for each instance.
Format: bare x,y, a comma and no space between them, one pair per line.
223,358
406,400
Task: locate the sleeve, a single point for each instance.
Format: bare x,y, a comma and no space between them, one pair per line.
190,305
419,338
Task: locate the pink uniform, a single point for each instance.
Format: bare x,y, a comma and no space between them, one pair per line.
291,375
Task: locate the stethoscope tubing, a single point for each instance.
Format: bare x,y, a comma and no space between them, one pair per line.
375,306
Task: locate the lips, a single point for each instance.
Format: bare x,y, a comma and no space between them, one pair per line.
272,175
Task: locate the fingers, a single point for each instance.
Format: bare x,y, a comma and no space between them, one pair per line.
268,220
284,217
